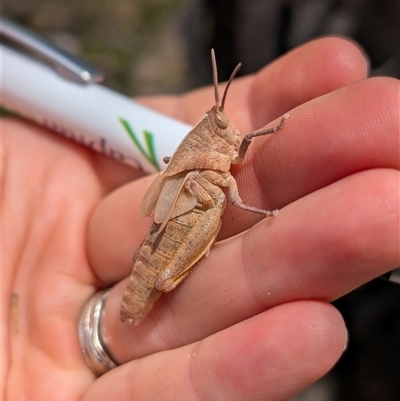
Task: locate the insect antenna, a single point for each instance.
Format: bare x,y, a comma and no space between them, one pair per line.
229,83
215,77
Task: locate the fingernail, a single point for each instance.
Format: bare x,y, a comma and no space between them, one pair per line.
346,344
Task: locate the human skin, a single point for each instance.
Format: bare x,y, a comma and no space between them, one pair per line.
253,321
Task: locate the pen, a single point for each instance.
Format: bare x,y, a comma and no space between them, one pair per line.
67,99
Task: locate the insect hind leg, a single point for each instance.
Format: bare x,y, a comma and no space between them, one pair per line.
196,245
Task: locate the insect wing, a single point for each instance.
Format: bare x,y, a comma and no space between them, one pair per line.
184,203
151,196
173,200
167,197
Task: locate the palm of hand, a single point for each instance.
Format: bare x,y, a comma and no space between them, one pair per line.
51,188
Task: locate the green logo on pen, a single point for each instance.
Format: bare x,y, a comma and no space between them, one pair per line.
150,153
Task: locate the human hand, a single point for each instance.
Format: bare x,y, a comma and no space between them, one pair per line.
254,320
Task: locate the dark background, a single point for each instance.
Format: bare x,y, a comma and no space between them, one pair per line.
163,46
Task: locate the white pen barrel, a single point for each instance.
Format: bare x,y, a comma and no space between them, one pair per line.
91,114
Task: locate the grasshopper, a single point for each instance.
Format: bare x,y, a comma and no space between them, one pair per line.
187,202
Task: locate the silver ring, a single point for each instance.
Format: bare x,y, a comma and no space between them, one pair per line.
91,336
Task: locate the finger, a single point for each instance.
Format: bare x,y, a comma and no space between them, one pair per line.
115,231
349,130
319,247
271,356
325,140
312,70
307,72
111,173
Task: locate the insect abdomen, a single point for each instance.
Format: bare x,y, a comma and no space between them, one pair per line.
156,253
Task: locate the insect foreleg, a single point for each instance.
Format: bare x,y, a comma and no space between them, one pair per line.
235,199
244,145
215,180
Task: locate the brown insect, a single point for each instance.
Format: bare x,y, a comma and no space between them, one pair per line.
187,202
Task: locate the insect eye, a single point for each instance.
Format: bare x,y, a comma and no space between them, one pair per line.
221,121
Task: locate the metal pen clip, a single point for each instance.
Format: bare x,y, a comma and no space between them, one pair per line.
66,64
